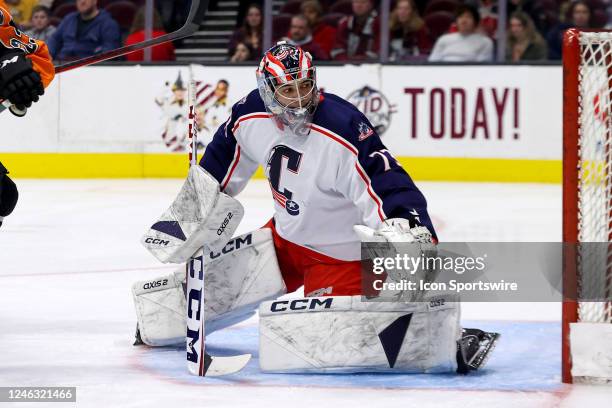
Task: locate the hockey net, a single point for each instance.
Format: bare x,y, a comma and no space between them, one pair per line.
587,206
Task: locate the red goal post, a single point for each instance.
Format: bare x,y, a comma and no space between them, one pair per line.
587,206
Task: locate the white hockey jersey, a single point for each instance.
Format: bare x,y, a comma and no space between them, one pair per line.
338,175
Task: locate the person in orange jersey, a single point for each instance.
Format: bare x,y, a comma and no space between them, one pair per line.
26,68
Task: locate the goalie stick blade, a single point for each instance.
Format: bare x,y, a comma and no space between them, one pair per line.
226,365
218,366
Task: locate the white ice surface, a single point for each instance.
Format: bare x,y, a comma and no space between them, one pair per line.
70,252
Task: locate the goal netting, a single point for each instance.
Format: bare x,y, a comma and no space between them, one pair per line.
587,206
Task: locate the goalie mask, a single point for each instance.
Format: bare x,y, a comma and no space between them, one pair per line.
286,80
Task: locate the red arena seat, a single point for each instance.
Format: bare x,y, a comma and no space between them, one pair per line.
342,6
123,12
64,9
280,26
333,18
441,5
438,22
291,7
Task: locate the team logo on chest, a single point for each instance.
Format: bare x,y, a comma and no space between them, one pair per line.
282,161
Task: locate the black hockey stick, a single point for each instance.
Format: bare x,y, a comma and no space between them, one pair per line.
194,19
199,362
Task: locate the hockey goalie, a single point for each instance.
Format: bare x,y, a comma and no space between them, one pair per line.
334,185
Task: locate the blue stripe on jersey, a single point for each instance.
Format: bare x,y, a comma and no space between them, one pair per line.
219,153
400,196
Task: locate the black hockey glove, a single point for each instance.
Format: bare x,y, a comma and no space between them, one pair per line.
19,83
8,194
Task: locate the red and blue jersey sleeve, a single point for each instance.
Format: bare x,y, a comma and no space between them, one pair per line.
370,175
390,184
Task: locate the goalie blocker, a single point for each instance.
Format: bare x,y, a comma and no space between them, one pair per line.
199,216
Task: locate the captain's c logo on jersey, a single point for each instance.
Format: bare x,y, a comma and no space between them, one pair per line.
283,157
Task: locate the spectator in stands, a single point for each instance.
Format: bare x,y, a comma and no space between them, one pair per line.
41,25
524,42
322,33
408,37
300,34
580,16
466,44
358,35
85,32
162,52
241,53
544,13
251,32
21,11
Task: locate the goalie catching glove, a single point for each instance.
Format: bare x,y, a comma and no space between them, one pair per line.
19,83
397,230
400,236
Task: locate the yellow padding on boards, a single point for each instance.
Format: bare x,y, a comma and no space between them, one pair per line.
135,165
95,165
483,170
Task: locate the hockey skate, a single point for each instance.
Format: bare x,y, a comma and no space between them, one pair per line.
474,349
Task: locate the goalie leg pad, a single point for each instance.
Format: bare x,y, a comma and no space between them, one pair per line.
242,274
160,309
344,334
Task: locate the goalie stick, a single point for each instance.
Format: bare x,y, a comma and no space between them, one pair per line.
194,18
199,362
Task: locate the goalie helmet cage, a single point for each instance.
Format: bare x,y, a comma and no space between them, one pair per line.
587,200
